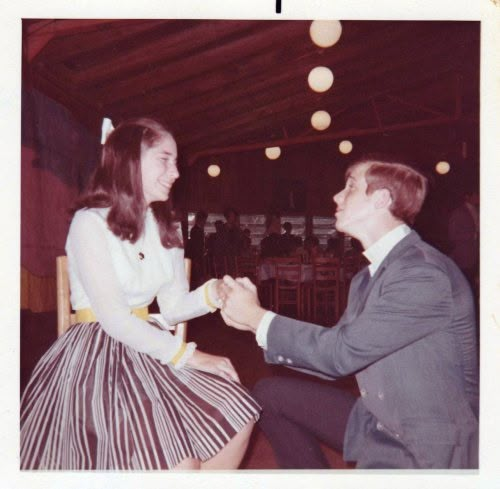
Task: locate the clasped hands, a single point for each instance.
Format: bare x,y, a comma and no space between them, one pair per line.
241,308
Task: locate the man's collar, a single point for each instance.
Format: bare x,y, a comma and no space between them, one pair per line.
381,248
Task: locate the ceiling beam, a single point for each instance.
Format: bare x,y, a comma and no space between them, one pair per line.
174,59
436,121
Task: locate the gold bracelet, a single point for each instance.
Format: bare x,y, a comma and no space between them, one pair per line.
207,295
179,354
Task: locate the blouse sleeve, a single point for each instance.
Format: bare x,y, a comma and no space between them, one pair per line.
87,246
176,303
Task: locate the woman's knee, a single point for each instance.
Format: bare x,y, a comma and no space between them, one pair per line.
243,436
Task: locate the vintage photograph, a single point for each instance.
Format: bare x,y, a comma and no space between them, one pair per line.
252,245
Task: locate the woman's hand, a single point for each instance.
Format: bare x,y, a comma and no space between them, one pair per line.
214,364
215,292
240,304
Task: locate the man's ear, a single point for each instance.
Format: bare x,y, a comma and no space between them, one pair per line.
382,198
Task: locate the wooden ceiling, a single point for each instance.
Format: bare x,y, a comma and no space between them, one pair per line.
232,85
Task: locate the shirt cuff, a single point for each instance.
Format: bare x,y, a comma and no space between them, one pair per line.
211,301
262,328
183,355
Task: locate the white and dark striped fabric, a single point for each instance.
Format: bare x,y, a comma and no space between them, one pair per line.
94,403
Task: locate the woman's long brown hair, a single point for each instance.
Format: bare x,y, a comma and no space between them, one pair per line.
117,183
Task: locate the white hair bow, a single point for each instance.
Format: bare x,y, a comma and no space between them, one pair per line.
106,129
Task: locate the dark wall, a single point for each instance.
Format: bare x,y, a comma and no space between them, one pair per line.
313,173
303,180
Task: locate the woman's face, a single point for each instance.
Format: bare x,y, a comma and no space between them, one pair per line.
159,169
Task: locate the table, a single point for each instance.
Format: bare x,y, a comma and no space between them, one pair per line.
267,271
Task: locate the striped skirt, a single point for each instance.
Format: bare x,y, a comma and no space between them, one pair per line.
94,403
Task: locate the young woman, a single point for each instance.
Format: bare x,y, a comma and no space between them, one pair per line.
117,391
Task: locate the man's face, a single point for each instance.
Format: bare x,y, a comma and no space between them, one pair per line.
354,207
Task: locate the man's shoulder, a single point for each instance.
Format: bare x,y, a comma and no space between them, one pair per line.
413,251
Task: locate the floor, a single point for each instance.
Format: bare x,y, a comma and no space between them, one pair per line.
38,331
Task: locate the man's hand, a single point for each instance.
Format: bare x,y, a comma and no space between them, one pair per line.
234,324
241,307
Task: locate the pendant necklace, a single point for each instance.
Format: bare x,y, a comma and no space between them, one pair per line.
141,254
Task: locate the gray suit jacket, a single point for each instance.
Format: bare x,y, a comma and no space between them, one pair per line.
409,335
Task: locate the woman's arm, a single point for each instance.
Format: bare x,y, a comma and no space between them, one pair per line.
176,303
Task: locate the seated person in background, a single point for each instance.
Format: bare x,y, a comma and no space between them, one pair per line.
117,391
272,245
335,247
408,334
216,242
312,248
246,243
289,242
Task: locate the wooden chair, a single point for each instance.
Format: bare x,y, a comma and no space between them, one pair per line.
65,318
326,288
222,265
246,266
287,285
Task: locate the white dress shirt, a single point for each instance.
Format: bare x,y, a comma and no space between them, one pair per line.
375,255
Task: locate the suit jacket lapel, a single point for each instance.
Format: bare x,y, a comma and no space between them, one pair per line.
366,282
358,294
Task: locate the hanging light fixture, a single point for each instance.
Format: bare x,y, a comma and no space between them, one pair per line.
345,147
273,152
320,79
321,120
325,33
442,167
213,170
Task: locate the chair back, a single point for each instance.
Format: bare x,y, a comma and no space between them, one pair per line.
65,317
326,271
246,266
326,287
220,265
288,269
287,285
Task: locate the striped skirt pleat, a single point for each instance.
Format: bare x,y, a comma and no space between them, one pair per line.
93,403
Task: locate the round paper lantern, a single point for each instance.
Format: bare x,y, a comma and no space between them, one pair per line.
443,167
325,33
320,79
321,120
213,170
345,147
273,152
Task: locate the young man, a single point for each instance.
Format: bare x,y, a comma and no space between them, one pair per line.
408,334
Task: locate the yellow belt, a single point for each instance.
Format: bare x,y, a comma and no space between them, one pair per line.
87,315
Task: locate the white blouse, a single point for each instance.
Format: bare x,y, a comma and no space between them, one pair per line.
107,275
